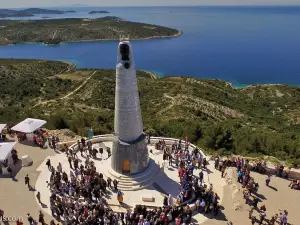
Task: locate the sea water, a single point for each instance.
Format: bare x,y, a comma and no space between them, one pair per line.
243,45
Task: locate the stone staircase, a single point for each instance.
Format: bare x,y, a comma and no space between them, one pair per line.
137,181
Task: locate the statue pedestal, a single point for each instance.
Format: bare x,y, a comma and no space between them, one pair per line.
130,157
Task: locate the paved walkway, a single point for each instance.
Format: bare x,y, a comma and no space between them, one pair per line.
15,198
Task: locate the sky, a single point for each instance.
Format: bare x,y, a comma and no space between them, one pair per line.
32,3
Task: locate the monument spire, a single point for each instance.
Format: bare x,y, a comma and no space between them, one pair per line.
128,118
130,154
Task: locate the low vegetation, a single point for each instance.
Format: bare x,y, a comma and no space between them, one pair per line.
74,30
253,121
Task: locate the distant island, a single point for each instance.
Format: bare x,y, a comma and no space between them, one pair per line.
100,12
5,13
56,31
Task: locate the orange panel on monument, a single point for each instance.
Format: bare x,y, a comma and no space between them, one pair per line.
126,166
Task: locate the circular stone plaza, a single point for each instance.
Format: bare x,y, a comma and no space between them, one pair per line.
158,180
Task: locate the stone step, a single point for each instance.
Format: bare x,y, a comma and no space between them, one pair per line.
140,186
137,181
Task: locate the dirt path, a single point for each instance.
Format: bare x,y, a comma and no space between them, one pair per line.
152,75
66,96
54,35
172,99
69,94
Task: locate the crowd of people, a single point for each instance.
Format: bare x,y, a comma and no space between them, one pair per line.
80,196
250,187
192,187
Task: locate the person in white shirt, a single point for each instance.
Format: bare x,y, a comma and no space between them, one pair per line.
198,204
202,205
169,215
170,200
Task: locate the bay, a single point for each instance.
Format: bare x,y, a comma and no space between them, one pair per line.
242,45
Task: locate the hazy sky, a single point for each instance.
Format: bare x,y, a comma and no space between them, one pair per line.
30,3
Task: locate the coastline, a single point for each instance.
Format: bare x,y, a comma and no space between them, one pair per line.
151,74
244,86
179,33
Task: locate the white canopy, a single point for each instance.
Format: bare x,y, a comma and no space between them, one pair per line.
5,149
2,127
29,125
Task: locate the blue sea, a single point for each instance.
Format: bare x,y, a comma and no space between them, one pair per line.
243,45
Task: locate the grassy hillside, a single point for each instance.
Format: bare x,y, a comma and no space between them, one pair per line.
253,121
72,30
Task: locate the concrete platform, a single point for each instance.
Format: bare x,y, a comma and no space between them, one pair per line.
158,180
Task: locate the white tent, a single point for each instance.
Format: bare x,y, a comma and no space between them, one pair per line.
5,149
2,127
29,125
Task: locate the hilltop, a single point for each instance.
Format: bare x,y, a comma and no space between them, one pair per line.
75,30
4,13
254,121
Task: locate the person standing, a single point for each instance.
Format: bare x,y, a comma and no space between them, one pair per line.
204,163
255,202
83,141
53,143
70,162
197,204
41,218
268,180
59,168
217,160
165,202
30,219
76,162
170,159
202,206
109,183
223,170
48,163
38,196
262,216
251,212
101,151
115,183
201,176
170,200
120,197
283,218
1,214
27,181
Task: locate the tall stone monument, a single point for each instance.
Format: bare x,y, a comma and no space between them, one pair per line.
129,153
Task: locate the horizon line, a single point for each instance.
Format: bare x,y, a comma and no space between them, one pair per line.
83,6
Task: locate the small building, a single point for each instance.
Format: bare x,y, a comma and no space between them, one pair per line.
28,127
6,149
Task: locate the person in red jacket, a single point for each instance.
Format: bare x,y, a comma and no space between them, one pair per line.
19,222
